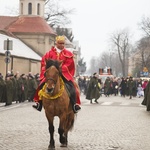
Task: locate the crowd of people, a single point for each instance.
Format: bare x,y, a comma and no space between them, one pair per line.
129,86
17,88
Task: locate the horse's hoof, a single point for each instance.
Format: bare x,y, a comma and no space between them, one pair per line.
51,147
63,145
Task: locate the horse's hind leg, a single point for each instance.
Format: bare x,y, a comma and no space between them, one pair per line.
52,142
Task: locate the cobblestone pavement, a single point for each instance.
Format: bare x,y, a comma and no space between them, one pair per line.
115,123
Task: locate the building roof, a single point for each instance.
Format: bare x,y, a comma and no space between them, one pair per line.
6,21
25,24
19,48
68,44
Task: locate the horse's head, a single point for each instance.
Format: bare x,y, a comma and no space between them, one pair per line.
52,73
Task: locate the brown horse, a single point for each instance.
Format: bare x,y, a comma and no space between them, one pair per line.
56,102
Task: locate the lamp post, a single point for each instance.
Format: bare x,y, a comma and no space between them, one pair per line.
7,47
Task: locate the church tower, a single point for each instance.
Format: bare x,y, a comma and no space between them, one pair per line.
32,7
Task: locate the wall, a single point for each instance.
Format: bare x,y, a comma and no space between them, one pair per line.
40,43
34,7
21,65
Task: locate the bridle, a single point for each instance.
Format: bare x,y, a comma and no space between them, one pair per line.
51,79
50,90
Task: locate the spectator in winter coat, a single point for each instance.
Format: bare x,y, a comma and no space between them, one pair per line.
93,90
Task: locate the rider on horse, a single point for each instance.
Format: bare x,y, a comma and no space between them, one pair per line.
59,52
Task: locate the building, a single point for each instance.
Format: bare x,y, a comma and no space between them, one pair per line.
29,30
22,57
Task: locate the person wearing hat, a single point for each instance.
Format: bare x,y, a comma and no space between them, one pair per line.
59,52
9,89
2,88
32,86
14,81
24,87
93,90
130,85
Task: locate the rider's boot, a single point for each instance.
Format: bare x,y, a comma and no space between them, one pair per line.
38,105
76,108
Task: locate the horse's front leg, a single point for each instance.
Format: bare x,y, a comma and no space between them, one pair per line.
61,131
51,131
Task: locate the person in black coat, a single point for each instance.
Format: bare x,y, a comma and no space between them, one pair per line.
123,87
2,89
93,90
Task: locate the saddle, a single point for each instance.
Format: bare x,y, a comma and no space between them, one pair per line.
68,88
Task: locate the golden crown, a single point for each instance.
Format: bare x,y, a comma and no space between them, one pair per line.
60,38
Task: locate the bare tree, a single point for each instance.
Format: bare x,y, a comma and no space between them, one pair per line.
144,48
81,66
104,60
101,61
145,25
93,66
65,31
57,15
110,59
121,42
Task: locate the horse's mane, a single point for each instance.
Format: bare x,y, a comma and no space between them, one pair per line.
50,62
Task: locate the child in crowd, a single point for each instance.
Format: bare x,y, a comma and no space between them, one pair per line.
140,91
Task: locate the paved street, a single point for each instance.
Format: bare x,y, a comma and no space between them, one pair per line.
115,123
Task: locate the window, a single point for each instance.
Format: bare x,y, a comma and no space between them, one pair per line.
21,8
38,9
30,8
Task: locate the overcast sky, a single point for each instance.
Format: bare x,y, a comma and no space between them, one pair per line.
95,20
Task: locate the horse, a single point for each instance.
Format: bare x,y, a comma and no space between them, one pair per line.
56,102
